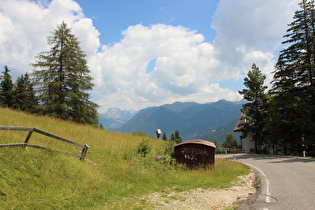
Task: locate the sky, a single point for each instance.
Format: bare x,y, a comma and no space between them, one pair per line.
144,53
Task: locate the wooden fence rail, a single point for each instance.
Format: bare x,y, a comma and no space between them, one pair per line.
30,132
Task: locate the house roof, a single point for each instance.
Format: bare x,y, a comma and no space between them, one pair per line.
197,141
239,124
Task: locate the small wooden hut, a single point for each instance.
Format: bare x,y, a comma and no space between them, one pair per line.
195,153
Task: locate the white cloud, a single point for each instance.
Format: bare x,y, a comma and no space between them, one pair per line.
186,67
250,32
25,26
88,35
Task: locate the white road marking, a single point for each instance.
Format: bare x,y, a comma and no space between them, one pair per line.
268,194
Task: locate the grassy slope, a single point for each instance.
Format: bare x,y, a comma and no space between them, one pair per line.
112,170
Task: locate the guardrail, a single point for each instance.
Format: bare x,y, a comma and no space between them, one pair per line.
30,132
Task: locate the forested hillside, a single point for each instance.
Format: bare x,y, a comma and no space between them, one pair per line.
192,120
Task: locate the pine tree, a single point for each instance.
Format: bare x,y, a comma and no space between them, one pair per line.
229,141
175,137
164,137
24,94
294,81
63,79
6,88
256,108
284,125
172,138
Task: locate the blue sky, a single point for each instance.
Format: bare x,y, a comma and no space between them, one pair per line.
145,53
112,17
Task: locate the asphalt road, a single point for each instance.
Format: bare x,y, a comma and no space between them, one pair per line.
287,183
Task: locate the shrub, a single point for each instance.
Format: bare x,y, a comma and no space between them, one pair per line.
169,148
144,148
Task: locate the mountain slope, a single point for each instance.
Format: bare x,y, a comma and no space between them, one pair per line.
44,179
191,119
221,132
112,176
179,106
150,119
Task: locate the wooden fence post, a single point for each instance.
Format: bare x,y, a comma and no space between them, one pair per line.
27,138
84,151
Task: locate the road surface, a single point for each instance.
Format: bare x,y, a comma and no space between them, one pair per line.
287,183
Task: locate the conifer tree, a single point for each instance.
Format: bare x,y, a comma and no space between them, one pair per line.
229,141
293,89
175,137
24,94
63,79
6,88
256,107
164,137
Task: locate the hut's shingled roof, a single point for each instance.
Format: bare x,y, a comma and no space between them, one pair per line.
197,141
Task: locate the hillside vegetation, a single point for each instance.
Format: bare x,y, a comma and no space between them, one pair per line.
113,175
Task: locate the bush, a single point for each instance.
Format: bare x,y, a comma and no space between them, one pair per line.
169,148
144,148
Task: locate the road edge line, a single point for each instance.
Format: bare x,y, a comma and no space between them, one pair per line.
268,191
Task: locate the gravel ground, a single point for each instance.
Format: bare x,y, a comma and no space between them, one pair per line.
203,198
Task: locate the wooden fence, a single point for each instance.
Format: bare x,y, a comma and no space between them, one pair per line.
30,132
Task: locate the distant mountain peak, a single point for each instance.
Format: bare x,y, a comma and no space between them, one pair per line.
190,118
114,118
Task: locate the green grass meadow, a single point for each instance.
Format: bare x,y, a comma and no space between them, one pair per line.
113,175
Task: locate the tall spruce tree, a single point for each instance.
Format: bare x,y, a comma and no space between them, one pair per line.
6,88
255,108
293,89
63,79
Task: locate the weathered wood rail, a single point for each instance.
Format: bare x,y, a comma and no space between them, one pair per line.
30,132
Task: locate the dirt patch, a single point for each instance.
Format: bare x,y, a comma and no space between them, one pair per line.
203,198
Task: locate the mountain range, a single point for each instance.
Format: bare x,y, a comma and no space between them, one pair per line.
114,118
192,120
